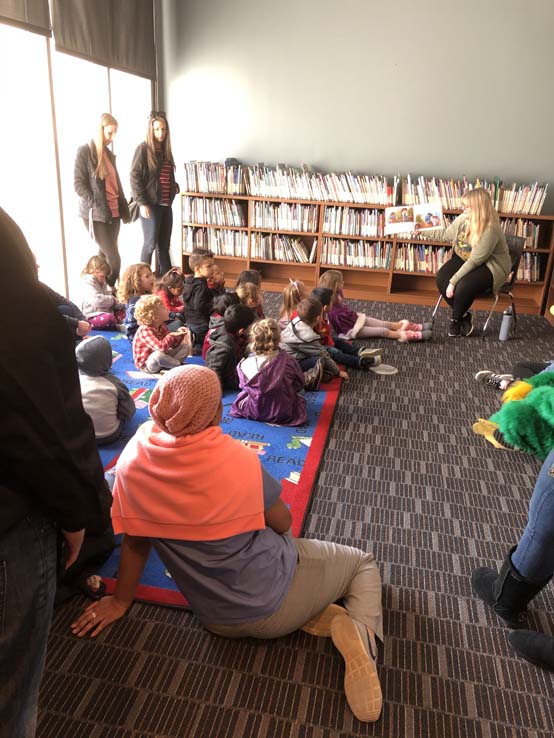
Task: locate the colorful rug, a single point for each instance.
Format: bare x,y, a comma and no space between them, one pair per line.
291,455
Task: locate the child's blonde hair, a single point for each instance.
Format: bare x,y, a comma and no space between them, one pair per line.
333,280
264,337
129,284
94,264
248,291
145,309
292,294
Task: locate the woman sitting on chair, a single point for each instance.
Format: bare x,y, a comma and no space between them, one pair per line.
480,262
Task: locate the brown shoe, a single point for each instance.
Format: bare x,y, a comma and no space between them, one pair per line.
320,625
361,682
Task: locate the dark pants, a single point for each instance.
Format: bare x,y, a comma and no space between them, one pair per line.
105,235
28,555
526,369
157,235
344,353
477,282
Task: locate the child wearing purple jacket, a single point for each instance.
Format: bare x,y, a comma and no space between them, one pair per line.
271,381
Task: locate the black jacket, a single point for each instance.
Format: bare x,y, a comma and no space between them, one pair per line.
222,356
145,185
91,190
48,456
198,301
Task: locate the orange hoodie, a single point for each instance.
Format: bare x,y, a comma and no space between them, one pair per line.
201,487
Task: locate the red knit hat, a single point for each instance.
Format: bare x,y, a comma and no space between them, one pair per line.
185,400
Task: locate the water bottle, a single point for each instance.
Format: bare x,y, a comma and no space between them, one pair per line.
506,325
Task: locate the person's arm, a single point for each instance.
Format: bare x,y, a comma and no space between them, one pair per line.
446,234
278,517
81,179
139,176
480,253
98,615
125,403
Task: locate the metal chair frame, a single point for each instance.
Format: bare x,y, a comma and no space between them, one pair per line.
515,247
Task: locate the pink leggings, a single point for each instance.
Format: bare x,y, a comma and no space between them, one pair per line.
375,328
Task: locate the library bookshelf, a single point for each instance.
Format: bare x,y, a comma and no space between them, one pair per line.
300,239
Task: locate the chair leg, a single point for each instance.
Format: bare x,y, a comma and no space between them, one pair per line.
436,309
514,313
489,316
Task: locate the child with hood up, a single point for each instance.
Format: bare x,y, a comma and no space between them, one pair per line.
105,398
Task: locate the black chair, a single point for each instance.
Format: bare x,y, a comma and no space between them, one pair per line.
515,247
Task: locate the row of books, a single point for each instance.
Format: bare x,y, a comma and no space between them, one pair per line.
364,254
215,178
525,229
285,216
529,268
514,198
220,243
277,247
353,222
213,212
420,258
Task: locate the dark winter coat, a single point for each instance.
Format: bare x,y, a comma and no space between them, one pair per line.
145,185
223,356
92,190
198,302
272,395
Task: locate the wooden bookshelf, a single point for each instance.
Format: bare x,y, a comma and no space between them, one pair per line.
389,283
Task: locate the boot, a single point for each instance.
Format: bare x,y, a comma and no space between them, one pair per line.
507,593
535,647
313,376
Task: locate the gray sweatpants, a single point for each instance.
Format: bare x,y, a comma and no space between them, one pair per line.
326,572
158,360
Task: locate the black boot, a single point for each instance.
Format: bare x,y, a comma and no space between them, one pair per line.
535,647
507,593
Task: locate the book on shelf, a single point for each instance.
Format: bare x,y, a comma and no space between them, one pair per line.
363,254
285,216
220,242
412,257
353,221
210,211
529,268
526,229
279,247
215,178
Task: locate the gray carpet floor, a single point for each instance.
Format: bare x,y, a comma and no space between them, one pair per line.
404,476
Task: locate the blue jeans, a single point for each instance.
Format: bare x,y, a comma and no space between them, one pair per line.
157,235
27,588
534,555
344,352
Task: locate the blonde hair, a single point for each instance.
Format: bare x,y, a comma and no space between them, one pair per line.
145,309
333,280
129,284
292,294
106,120
481,214
264,337
248,291
96,263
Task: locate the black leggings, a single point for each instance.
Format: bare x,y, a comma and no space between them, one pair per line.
105,235
526,369
477,282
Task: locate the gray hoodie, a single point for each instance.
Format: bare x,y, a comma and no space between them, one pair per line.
105,398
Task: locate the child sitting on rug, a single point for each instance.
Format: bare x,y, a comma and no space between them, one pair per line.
270,380
99,304
137,281
226,345
338,349
347,323
301,341
252,276
105,398
250,295
155,347
229,554
216,283
220,305
170,291
292,294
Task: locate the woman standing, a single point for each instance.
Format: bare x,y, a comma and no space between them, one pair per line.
154,189
480,260
102,203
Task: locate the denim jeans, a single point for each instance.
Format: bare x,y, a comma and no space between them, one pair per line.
534,556
27,589
344,353
157,235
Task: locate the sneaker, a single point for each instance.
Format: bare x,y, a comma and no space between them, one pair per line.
466,325
367,361
454,329
365,351
409,336
313,377
428,326
498,381
383,369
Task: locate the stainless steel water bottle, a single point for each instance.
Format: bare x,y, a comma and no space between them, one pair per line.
506,325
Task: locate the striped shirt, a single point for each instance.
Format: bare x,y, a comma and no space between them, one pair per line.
165,183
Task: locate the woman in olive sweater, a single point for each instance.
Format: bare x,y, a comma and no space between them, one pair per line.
480,261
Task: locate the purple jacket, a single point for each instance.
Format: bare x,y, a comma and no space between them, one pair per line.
341,317
271,396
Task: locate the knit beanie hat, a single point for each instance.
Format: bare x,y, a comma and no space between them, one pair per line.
185,400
